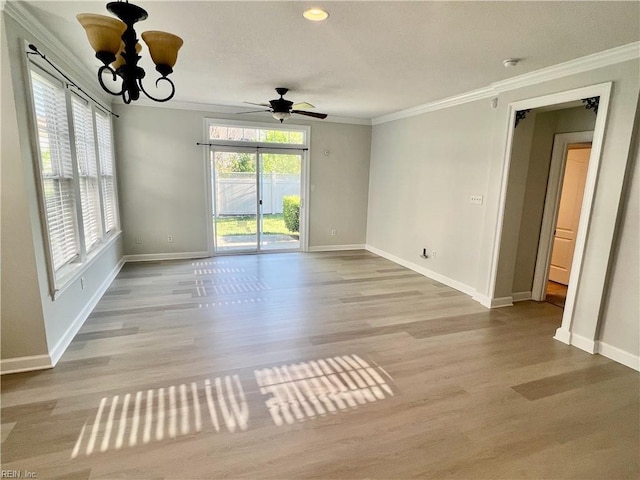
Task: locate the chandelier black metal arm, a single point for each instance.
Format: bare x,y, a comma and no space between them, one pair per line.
167,98
107,68
130,90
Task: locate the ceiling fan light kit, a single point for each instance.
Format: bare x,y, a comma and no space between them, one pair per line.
282,116
116,45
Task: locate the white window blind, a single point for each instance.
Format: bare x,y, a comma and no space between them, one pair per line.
103,129
56,168
76,167
87,171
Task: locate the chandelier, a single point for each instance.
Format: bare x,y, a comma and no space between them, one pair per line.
116,45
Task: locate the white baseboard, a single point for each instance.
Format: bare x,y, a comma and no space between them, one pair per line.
425,271
58,350
336,248
154,257
583,343
482,299
618,355
502,302
521,296
25,364
592,346
563,336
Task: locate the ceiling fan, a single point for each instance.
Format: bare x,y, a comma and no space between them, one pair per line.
282,109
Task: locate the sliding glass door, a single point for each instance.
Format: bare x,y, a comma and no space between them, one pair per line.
280,175
256,199
235,194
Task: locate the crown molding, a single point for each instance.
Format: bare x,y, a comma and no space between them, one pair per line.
605,58
230,110
51,46
448,102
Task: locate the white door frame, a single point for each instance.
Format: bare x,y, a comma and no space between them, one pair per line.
602,90
561,144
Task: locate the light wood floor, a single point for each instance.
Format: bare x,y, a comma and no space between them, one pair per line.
327,365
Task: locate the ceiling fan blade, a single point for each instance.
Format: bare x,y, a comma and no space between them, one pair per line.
310,114
259,104
304,105
253,111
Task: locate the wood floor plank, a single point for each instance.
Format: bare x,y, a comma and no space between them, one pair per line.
552,385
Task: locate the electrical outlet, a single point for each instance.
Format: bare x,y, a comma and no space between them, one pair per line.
334,232
476,199
434,254
170,239
138,239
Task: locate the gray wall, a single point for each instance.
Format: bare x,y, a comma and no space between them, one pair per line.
21,310
546,125
516,190
423,170
459,151
621,314
162,179
32,322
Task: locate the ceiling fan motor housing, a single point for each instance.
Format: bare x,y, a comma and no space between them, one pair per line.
281,105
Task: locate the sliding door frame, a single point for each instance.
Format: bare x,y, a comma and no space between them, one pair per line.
258,147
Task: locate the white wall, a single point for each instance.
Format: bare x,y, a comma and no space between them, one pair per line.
429,165
30,317
162,177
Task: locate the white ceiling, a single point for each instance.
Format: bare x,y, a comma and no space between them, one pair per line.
369,58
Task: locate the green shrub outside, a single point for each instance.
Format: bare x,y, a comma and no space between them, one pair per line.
291,212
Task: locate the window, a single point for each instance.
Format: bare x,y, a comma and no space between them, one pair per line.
87,171
78,193
256,135
103,128
56,170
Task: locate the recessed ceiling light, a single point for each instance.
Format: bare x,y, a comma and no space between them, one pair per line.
316,14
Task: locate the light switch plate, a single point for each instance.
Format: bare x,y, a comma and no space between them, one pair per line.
476,199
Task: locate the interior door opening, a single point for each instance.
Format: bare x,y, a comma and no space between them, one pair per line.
256,199
576,164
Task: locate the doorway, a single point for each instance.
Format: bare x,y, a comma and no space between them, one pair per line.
256,195
576,164
562,212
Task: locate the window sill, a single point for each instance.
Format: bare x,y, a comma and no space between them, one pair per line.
77,270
